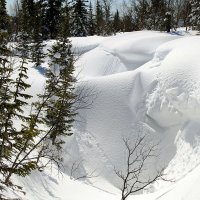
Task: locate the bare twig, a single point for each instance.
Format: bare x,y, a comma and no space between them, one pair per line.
74,169
137,156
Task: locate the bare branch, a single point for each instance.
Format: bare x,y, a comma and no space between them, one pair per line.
74,169
132,177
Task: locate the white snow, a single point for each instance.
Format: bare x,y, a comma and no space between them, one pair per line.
142,83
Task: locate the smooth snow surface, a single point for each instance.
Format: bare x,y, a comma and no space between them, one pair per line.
141,83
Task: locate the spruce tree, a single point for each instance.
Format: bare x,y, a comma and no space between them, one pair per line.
28,13
61,82
116,22
79,23
157,16
42,5
23,146
108,17
5,91
37,54
54,108
91,29
168,21
99,19
127,23
14,99
142,9
5,102
185,13
195,14
3,16
53,17
64,29
20,151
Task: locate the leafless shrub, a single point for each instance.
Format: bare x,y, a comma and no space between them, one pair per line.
74,171
138,155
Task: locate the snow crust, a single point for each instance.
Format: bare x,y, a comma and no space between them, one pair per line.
143,83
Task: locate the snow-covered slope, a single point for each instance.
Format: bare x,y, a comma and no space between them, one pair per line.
141,83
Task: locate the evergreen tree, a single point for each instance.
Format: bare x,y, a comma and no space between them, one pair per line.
142,9
117,22
64,29
61,83
59,91
28,13
79,18
185,13
107,17
5,98
20,151
158,10
99,19
195,14
42,5
14,100
168,21
128,17
91,30
37,54
128,23
5,91
3,16
54,109
53,17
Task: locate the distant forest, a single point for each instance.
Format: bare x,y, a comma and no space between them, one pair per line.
84,18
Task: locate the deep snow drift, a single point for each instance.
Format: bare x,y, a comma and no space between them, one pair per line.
142,83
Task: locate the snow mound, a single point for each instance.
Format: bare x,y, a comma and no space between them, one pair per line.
160,98
142,83
80,45
123,52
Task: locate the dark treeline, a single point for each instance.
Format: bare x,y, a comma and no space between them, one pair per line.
85,18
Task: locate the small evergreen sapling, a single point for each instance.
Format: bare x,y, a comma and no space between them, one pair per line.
13,137
5,102
38,139
61,81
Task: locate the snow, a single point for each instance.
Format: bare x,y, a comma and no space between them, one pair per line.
142,83
123,52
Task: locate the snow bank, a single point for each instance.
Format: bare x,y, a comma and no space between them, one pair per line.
159,98
123,52
80,45
143,83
